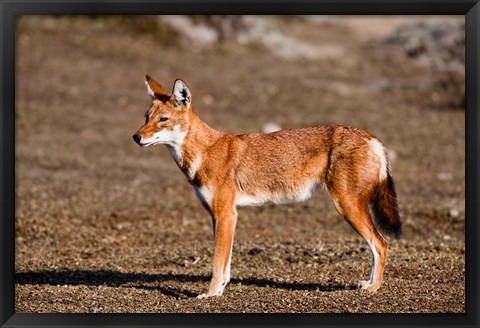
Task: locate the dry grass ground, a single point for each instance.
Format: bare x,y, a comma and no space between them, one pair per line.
103,225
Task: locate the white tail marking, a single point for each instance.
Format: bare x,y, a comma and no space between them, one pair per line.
379,151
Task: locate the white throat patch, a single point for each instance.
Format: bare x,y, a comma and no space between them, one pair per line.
172,138
176,152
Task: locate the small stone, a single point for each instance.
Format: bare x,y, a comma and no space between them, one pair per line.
453,213
445,176
270,127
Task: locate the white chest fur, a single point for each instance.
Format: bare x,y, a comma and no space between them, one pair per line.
204,194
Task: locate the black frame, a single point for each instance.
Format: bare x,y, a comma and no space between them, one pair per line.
11,8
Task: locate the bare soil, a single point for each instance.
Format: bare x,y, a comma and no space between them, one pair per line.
103,225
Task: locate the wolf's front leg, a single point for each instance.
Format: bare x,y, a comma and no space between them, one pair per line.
225,218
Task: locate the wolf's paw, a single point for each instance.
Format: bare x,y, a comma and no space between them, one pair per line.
205,295
212,292
367,286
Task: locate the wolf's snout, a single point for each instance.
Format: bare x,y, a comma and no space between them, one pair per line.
137,138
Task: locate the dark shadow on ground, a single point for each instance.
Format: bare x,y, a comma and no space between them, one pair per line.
138,280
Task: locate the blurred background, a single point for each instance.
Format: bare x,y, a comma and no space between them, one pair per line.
103,225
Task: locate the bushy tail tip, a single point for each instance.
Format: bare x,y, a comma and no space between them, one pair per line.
385,209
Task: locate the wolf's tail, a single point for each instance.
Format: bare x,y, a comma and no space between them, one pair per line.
385,209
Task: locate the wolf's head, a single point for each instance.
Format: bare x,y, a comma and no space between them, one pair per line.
166,122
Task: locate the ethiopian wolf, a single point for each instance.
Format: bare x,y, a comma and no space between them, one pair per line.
228,170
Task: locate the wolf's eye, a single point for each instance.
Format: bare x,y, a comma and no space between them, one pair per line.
163,119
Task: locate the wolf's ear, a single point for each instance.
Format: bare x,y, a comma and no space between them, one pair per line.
181,95
155,90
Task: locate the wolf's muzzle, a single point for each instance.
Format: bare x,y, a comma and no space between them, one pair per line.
137,138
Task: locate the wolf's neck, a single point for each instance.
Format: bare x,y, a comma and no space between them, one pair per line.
188,154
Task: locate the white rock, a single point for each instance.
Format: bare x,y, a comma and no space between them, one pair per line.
445,176
453,213
270,127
